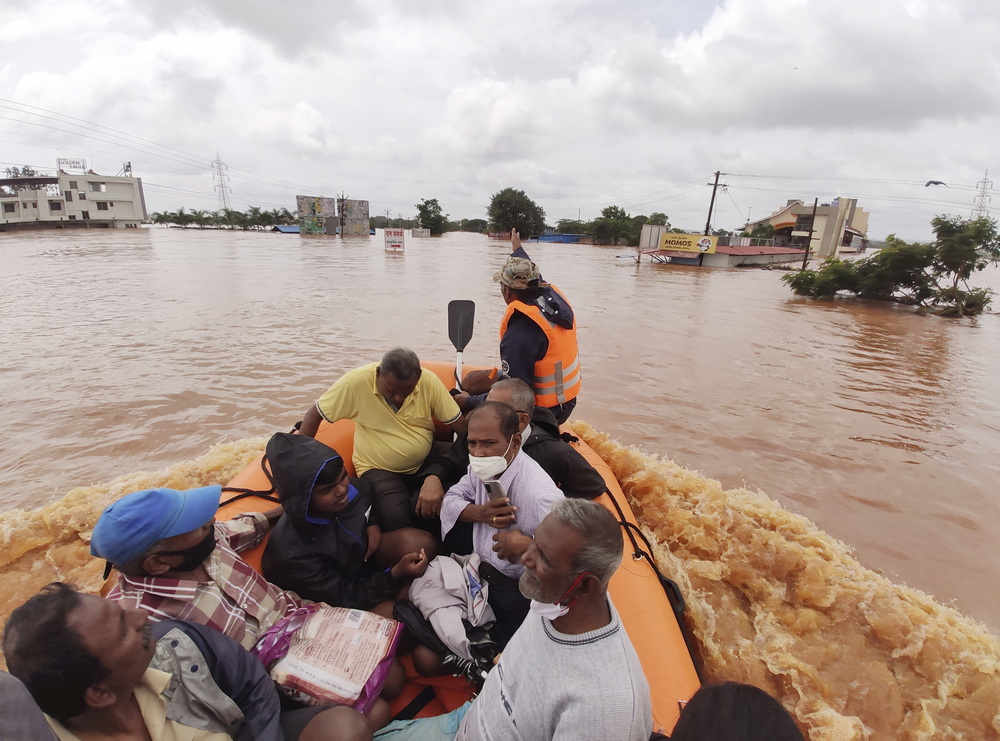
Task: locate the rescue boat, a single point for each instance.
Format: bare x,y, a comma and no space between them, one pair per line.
649,604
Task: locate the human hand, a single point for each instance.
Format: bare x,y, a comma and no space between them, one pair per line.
374,540
498,513
515,240
430,497
411,566
510,545
462,399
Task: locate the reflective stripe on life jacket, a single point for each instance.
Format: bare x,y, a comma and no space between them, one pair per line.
557,375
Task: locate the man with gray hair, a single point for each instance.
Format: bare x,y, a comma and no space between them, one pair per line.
570,671
393,404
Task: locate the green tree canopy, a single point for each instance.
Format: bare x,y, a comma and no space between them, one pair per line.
571,226
512,209
933,276
431,217
473,225
659,218
615,224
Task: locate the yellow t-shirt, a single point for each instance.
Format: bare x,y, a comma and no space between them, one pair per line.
154,711
388,440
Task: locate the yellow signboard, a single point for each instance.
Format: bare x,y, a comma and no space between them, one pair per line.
688,243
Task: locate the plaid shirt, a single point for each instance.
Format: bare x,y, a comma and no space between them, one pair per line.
236,600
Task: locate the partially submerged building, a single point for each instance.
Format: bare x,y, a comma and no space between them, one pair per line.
71,201
661,244
331,216
840,226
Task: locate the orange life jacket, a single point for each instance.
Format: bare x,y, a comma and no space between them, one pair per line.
557,375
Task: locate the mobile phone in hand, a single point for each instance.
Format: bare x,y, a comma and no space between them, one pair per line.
494,489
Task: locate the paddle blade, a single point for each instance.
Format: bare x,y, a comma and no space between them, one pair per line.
461,313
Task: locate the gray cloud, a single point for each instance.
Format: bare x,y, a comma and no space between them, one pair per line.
581,103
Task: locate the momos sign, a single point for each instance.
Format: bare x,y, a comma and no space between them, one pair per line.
687,243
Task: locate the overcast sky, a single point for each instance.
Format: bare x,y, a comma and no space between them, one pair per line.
580,103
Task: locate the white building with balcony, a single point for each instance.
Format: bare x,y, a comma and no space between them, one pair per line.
71,201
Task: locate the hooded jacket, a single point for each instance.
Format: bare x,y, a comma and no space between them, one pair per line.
322,557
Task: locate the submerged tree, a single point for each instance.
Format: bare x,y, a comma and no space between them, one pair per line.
512,209
933,276
430,216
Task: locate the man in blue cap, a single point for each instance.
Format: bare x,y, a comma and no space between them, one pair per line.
176,562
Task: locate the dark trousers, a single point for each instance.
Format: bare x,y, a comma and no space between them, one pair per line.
509,605
562,411
395,494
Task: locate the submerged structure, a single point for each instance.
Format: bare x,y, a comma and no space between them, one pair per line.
71,201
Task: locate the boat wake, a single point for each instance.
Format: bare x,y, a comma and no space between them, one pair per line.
772,600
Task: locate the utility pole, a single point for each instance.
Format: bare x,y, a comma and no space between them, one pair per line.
387,217
812,226
341,201
711,205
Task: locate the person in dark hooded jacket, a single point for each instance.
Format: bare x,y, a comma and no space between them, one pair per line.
325,547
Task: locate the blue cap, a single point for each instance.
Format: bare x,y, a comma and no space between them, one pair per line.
130,526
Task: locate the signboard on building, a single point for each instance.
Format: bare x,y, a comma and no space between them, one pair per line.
688,243
71,164
393,240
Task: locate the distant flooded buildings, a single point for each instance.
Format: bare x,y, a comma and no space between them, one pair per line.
779,239
70,201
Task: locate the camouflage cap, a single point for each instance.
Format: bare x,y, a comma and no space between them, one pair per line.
518,273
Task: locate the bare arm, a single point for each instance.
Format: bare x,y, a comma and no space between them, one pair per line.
310,422
460,425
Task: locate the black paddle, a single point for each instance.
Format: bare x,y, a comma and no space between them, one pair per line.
461,313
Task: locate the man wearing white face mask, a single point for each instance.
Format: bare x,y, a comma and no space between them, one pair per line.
570,672
502,523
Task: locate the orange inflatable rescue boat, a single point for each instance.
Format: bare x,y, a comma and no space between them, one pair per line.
639,595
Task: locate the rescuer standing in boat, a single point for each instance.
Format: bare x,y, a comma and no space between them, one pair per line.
537,338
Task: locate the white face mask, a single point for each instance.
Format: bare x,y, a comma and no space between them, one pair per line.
490,466
548,610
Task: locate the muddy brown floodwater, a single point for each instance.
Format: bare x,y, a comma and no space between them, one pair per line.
758,433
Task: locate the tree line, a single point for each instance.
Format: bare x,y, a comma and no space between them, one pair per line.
511,208
227,218
508,209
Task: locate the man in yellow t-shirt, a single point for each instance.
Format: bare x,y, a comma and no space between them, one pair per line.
393,404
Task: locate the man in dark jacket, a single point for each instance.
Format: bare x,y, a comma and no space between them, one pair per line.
542,441
537,338
326,547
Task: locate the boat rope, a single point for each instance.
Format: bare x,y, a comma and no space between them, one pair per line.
670,587
242,493
638,553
